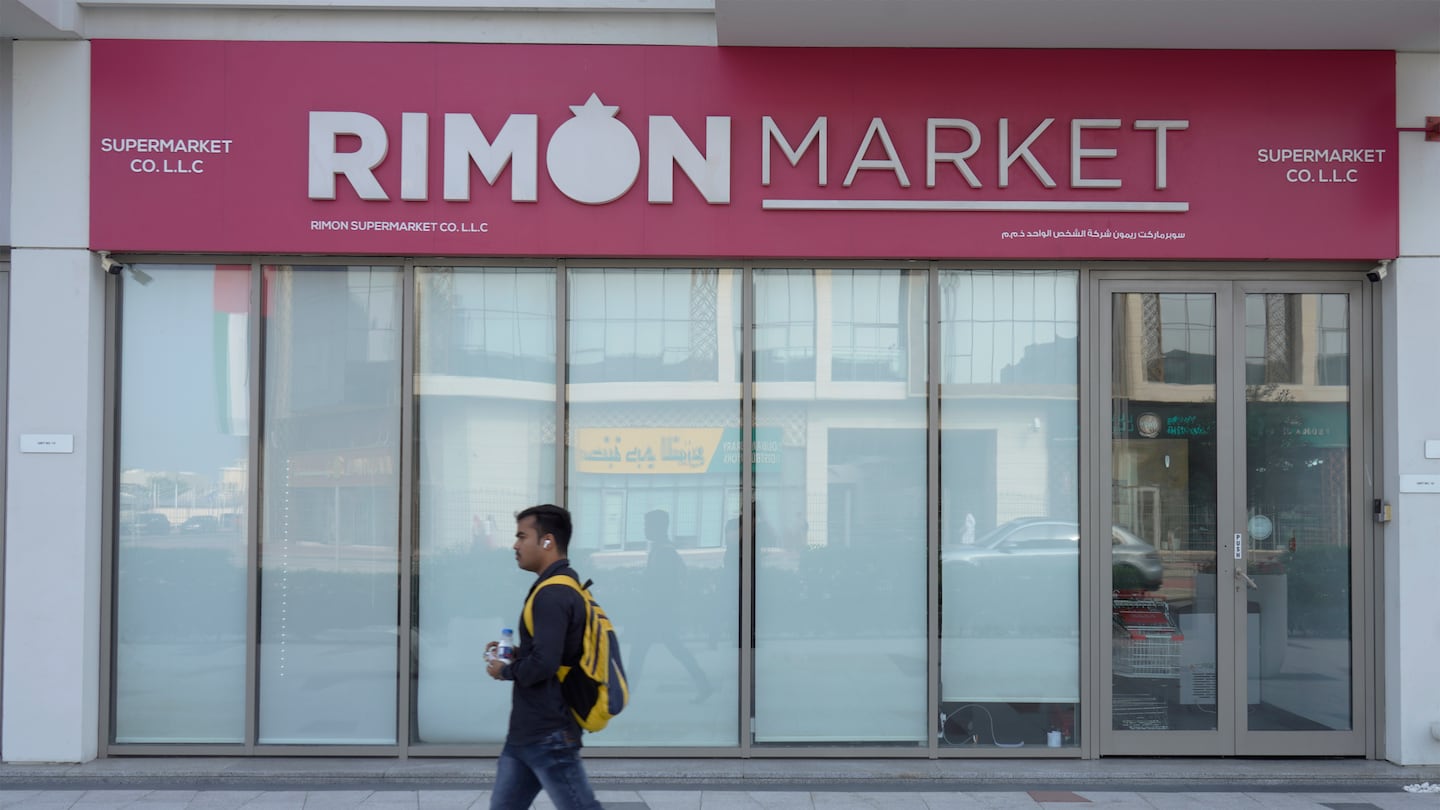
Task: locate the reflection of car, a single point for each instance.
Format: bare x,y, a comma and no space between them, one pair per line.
200,523
151,523
1135,564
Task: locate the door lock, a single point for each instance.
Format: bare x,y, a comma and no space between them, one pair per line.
1381,511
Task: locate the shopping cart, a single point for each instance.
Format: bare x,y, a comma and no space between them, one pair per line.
1146,639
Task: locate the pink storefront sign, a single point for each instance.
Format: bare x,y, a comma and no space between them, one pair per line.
633,151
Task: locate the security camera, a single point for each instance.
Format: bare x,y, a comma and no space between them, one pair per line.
1379,271
110,266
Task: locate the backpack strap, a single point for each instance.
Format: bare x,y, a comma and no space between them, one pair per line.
528,616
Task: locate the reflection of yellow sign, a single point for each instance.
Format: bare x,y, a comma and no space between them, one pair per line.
645,451
361,467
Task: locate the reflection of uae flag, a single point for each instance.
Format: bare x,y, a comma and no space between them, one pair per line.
231,346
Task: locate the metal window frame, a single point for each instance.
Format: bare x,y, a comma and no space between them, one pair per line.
1091,437
5,426
1235,280
1071,752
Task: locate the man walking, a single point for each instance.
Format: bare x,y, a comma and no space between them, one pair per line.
542,747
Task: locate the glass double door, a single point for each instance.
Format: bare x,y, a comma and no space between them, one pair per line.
1232,580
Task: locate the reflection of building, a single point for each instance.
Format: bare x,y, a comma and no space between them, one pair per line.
1296,366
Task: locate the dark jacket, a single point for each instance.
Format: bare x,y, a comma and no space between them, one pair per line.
537,707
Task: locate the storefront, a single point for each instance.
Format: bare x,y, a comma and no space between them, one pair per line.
996,403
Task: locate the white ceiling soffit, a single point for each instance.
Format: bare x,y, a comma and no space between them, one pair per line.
688,22
1398,25
37,19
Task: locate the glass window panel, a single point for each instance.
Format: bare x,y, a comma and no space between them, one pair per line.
329,587
641,329
1333,328
1164,500
1298,504
654,486
840,499
180,583
868,340
1009,478
495,331
1180,328
1257,332
784,326
486,451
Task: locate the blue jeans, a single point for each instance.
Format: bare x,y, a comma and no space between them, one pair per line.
554,764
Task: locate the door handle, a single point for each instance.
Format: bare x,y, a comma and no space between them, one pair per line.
1249,583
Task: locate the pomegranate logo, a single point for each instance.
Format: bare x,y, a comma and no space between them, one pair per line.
593,158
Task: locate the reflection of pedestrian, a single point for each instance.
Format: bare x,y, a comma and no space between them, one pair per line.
967,536
724,624
799,532
732,552
665,590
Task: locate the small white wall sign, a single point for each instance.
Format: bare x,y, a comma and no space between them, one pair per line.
1420,483
47,442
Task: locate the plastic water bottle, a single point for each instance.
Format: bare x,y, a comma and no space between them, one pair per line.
505,650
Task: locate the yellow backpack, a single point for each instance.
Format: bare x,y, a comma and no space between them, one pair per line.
596,689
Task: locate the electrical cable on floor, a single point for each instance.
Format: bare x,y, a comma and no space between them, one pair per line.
945,719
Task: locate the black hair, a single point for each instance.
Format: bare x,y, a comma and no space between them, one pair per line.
552,520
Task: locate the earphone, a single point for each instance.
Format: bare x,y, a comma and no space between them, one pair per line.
547,544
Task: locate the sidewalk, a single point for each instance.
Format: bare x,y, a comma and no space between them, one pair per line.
296,783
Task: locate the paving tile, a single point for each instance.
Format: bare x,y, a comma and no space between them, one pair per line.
222,799
727,800
1111,800
1005,799
334,799
949,800
623,799
1287,801
1180,801
894,800
449,799
9,797
392,798
114,798
784,799
671,799
277,800
1402,801
1216,801
43,801
1046,796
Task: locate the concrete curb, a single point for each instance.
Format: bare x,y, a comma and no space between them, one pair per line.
850,775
